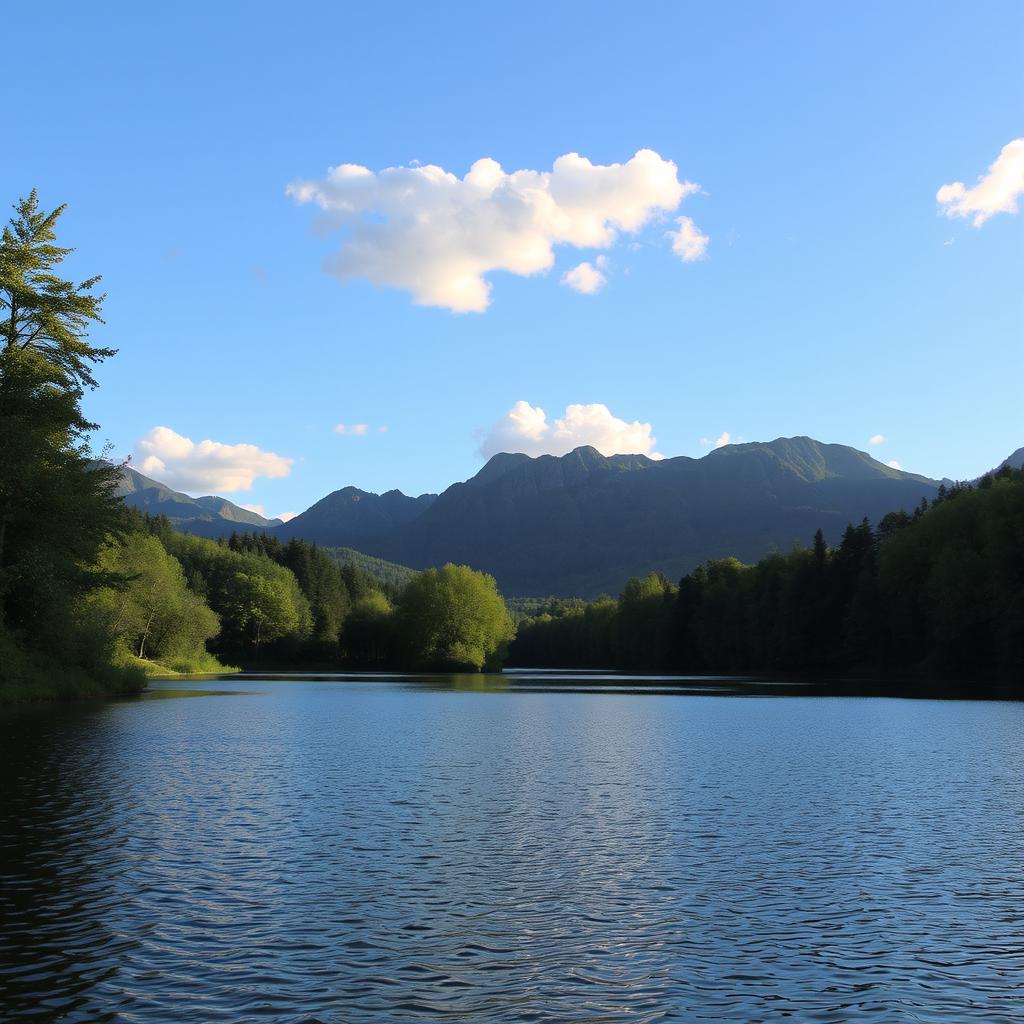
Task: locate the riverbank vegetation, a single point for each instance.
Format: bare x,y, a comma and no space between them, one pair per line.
938,592
293,604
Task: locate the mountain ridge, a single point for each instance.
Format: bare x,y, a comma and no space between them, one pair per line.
582,523
204,516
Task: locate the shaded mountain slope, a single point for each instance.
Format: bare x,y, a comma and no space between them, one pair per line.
581,524
347,517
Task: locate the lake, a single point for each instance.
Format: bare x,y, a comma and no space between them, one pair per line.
541,848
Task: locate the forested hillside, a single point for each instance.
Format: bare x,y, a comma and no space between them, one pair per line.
938,592
582,524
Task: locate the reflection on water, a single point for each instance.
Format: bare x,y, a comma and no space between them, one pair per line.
347,848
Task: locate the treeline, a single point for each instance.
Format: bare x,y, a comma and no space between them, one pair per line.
291,604
939,592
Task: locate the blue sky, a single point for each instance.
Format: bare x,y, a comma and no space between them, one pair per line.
833,299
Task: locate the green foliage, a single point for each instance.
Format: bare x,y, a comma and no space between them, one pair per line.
453,618
42,312
576,637
368,638
257,600
952,584
56,504
30,674
939,591
152,613
388,575
260,607
643,618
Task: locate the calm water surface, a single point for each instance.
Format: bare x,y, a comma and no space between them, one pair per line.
345,849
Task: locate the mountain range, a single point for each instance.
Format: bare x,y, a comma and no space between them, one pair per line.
582,523
209,516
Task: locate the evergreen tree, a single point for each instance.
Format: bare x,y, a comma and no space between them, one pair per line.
56,505
42,312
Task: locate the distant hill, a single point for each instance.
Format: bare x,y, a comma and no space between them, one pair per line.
384,572
208,516
582,523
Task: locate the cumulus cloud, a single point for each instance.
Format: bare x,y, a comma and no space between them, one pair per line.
261,510
435,235
996,192
893,464
525,428
353,429
689,242
584,278
208,466
719,442
877,439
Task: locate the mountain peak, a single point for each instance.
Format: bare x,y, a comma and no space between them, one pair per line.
497,466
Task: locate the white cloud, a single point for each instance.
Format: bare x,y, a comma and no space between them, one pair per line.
435,235
353,429
877,439
893,464
525,428
208,466
719,442
261,510
689,242
584,278
995,192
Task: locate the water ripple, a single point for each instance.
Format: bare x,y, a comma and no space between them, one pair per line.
321,852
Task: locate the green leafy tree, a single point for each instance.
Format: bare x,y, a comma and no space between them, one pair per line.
152,613
261,607
454,617
368,634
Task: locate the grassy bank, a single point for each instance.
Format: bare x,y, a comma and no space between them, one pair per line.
192,666
32,676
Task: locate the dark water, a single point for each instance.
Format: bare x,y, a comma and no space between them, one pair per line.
344,850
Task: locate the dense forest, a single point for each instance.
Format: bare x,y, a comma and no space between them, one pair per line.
937,592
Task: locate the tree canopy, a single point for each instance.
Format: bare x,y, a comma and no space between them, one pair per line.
937,592
454,617
41,311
